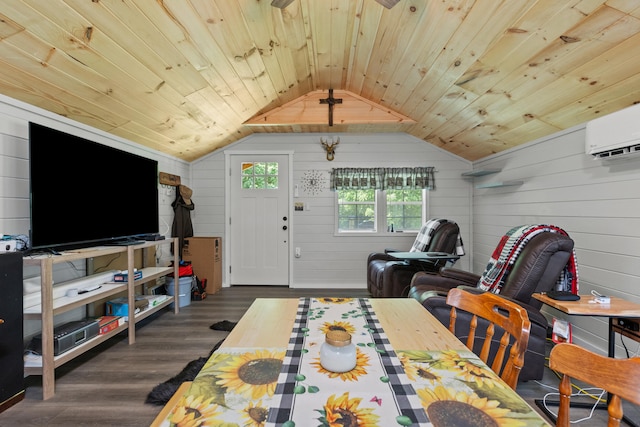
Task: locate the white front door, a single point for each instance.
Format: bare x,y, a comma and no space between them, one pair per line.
259,222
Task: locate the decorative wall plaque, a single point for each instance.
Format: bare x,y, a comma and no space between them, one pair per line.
313,182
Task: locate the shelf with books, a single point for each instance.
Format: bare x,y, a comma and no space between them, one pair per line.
50,305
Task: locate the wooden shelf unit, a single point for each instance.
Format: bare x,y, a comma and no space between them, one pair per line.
48,307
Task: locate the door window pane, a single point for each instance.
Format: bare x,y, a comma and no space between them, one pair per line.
259,175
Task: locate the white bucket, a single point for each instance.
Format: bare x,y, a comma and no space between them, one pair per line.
184,289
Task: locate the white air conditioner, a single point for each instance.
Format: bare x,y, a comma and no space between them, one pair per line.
615,135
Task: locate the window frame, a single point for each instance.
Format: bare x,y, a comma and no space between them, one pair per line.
380,206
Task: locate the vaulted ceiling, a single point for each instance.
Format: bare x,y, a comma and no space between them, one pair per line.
474,77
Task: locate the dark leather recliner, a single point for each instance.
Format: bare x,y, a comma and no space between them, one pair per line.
388,277
536,269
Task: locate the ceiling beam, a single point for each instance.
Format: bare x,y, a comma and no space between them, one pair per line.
307,109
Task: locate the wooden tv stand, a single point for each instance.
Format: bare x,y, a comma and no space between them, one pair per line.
49,308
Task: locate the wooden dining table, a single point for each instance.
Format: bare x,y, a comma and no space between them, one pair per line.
424,351
269,321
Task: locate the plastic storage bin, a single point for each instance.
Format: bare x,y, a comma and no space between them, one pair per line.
184,289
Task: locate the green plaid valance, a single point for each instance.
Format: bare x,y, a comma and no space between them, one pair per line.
383,178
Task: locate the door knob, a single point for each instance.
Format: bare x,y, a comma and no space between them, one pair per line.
284,218
284,227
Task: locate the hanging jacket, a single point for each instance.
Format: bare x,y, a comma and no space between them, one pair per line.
182,226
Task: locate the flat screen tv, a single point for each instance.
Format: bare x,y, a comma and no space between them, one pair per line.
83,193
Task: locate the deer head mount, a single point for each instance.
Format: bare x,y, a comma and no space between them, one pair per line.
330,148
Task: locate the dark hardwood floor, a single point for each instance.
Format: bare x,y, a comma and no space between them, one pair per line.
108,385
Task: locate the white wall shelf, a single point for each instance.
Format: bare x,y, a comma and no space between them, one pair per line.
499,184
480,172
49,307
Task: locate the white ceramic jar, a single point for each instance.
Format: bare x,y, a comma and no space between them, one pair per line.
338,353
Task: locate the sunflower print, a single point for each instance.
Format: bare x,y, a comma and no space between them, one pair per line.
415,371
338,326
342,411
256,415
252,374
193,411
447,407
335,300
450,358
469,371
362,361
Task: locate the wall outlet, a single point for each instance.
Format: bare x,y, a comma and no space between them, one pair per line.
631,324
298,253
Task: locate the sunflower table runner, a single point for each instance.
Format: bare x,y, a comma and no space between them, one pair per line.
288,387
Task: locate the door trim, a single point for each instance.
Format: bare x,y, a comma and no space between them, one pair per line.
227,207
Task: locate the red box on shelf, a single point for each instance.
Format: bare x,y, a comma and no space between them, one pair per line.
109,323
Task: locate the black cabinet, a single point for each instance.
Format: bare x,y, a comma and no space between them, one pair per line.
11,330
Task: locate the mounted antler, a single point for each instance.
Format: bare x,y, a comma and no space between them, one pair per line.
330,148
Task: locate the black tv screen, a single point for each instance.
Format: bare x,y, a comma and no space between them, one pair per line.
84,193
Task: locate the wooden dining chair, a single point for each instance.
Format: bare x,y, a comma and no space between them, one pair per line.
619,377
496,311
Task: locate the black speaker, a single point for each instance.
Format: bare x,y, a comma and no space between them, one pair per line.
11,330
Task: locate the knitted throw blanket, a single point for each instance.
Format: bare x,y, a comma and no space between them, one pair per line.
424,236
507,252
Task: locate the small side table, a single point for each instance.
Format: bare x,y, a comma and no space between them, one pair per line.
616,309
435,258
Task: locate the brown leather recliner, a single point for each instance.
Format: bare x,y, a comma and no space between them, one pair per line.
536,269
388,277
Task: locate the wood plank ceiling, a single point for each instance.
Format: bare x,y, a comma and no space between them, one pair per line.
183,76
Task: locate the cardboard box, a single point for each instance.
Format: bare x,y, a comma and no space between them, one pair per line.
205,255
109,323
124,277
120,306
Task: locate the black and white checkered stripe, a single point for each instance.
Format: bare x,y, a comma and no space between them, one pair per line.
406,399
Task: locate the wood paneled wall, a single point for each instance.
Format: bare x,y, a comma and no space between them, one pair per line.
14,181
596,202
329,260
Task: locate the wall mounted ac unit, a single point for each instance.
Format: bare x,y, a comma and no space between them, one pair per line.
615,135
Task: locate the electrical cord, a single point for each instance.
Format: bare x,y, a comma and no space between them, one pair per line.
106,267
580,393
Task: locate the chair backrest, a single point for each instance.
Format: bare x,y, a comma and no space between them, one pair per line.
442,236
619,377
512,322
538,267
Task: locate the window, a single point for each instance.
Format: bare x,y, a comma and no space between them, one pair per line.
381,200
356,210
404,210
380,211
260,175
